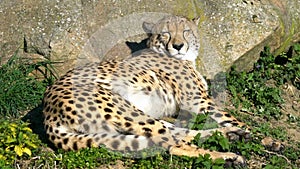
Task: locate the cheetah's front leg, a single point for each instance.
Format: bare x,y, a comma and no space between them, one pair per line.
232,133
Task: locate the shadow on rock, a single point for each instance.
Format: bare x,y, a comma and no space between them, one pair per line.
135,47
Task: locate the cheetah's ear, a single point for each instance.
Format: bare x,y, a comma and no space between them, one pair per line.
148,27
196,20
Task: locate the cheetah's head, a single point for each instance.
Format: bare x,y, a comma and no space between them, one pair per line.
174,35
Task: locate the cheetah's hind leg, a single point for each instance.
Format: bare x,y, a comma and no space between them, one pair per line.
129,145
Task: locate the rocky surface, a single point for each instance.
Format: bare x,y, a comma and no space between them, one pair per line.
73,32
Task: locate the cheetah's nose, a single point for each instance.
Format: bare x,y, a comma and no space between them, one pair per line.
177,46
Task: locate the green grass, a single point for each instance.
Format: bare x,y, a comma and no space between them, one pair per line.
258,91
19,91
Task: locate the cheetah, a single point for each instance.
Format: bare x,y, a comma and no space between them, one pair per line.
119,104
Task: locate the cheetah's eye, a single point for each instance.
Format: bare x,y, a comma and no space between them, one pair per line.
187,31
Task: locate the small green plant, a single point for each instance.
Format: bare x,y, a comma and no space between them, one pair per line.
287,67
201,122
250,90
255,89
258,91
216,142
16,141
19,89
206,162
157,161
88,158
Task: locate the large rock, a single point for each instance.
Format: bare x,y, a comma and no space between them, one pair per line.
73,32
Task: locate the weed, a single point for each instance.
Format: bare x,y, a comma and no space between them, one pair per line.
250,90
287,67
258,91
19,90
216,142
88,158
201,122
16,140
